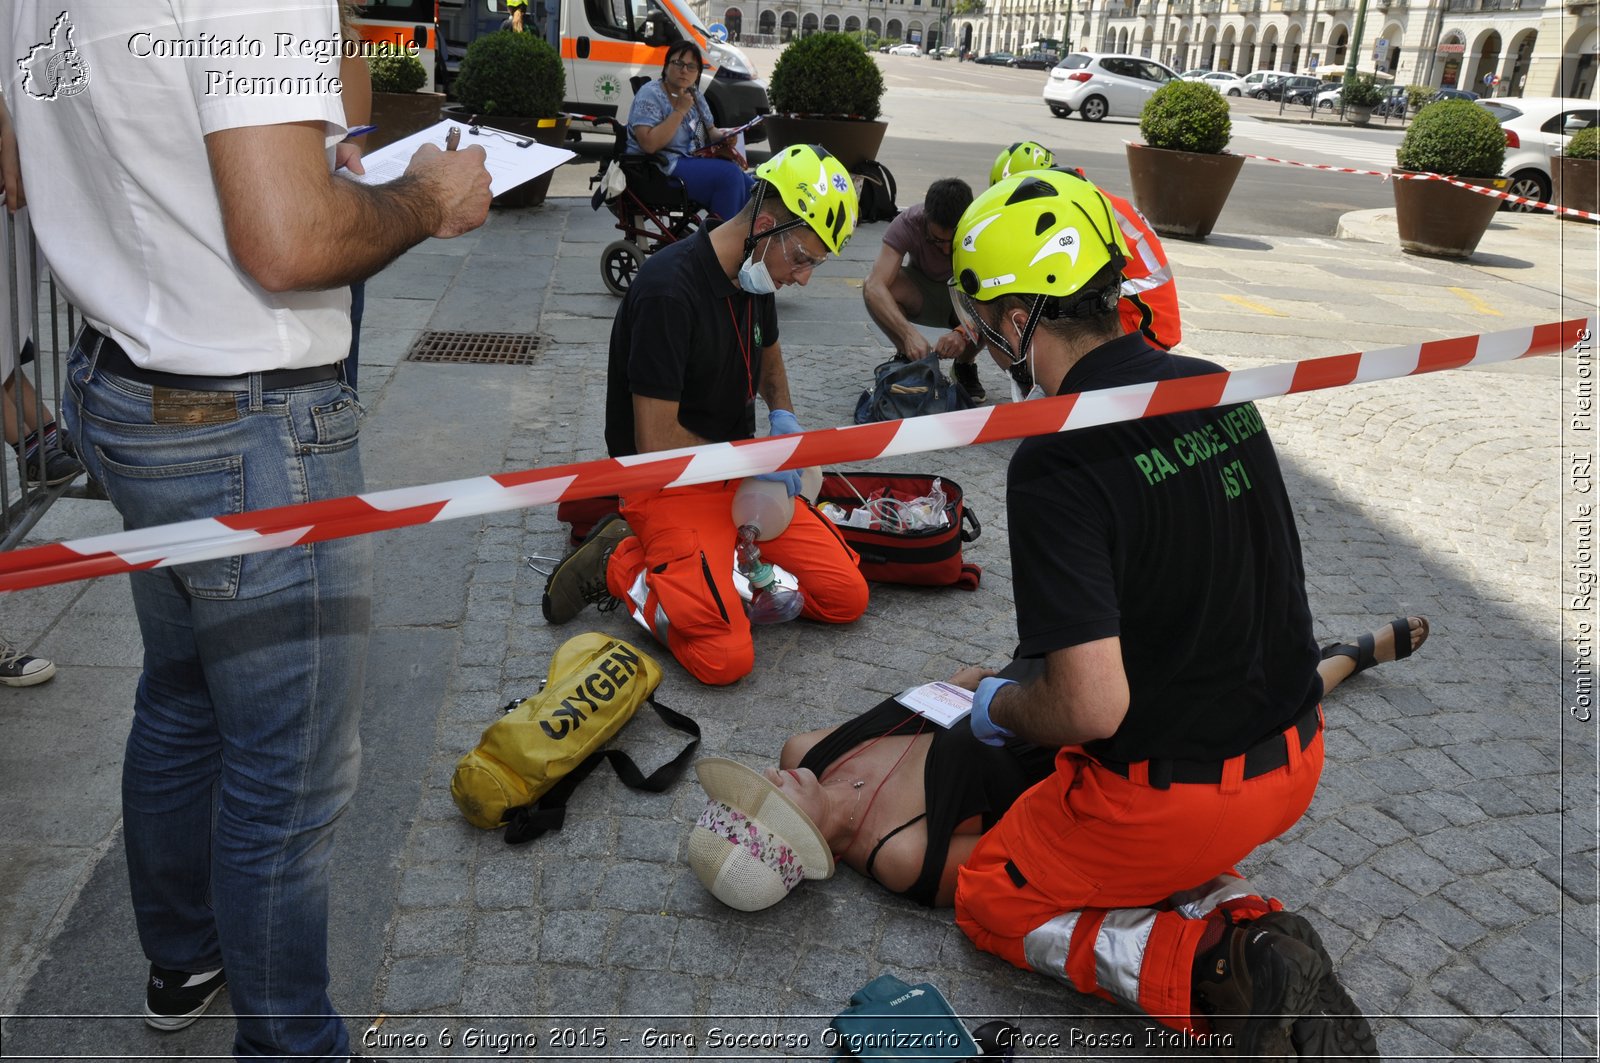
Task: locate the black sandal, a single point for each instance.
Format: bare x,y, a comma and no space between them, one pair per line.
1362,651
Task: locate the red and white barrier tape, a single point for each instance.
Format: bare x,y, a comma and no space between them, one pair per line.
270,529
1493,193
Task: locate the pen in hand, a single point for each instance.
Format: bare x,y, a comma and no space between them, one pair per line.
452,138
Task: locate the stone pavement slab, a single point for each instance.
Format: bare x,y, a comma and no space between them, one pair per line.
1448,859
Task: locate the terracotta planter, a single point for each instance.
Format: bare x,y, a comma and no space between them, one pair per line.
549,131
852,141
399,114
1575,183
1441,220
1181,193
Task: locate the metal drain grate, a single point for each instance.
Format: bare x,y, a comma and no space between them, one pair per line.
487,348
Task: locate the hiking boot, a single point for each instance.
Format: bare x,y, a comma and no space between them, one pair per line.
18,669
966,374
174,999
1332,1027
1252,985
59,467
580,578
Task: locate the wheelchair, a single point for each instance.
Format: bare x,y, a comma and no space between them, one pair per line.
652,210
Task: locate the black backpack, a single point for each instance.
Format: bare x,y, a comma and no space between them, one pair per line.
910,389
876,191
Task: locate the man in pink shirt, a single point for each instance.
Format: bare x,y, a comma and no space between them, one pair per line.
908,285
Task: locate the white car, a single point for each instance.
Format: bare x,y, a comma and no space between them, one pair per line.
1536,128
905,49
1328,99
1224,81
1096,84
1196,74
1255,81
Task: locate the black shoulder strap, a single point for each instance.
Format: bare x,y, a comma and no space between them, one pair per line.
527,822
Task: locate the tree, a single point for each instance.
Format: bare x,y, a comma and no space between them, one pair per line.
967,7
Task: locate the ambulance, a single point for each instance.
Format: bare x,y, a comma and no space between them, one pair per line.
607,44
409,24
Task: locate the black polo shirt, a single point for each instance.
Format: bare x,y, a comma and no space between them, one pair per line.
687,334
1174,533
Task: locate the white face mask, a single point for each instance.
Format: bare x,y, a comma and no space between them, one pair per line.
1035,392
754,277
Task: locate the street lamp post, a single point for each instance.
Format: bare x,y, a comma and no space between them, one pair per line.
1353,60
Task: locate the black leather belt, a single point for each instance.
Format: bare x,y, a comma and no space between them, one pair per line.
1265,756
114,360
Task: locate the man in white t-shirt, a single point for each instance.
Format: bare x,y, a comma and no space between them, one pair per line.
178,159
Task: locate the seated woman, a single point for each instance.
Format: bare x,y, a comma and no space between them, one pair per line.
668,118
904,801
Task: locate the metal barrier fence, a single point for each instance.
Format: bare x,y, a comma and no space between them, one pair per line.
39,328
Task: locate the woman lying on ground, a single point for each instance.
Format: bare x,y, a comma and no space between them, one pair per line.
897,797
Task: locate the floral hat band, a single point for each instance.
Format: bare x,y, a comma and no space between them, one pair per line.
728,822
751,844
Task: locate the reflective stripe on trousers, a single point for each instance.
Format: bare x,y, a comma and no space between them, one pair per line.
639,606
1119,941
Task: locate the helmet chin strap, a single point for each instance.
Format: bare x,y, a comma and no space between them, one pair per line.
1025,337
779,229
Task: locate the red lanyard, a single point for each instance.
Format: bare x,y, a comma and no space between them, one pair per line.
743,338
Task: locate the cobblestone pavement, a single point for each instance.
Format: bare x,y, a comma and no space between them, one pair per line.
1448,860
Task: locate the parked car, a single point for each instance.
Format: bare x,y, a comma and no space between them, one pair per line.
1096,84
1290,85
1255,80
1536,127
1393,104
1196,74
1451,94
1304,95
1328,99
1224,81
995,59
906,49
1034,61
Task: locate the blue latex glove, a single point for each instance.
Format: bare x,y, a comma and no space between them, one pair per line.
984,729
782,423
789,478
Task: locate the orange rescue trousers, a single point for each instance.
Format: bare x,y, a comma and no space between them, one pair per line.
675,575
1105,882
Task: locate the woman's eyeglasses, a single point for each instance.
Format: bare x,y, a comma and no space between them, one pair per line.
681,65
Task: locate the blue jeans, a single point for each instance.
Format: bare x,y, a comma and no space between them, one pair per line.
244,747
717,183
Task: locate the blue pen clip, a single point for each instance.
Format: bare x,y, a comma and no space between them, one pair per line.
360,131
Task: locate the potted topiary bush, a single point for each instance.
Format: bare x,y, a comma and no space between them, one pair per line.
1182,173
398,108
1462,140
514,82
1576,176
825,89
1360,94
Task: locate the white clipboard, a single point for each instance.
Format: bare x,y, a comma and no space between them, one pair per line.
511,159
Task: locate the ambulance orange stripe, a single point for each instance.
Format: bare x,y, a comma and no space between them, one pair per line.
397,34
627,52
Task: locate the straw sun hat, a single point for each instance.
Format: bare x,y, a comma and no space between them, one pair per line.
752,845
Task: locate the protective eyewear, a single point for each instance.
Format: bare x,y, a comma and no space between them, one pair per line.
976,328
799,260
